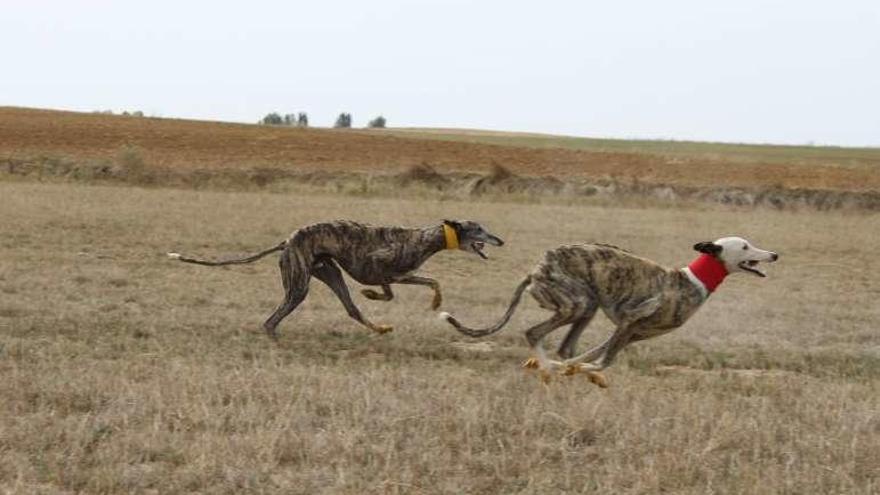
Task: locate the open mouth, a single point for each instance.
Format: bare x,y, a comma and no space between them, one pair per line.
752,266
477,247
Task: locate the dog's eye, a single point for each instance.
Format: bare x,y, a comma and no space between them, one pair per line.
745,247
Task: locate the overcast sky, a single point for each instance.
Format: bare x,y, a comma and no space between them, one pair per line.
746,70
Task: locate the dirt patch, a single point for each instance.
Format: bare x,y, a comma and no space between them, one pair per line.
176,145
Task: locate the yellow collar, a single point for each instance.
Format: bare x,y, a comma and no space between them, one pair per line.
451,237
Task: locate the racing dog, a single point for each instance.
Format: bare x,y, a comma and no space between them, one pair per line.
372,255
642,298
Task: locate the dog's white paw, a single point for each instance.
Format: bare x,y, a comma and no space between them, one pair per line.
444,316
174,256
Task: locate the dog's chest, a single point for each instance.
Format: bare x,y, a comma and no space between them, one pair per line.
678,304
382,266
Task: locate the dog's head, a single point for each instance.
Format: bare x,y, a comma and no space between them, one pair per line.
738,255
472,237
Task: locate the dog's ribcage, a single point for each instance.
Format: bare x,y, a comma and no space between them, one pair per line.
371,255
619,281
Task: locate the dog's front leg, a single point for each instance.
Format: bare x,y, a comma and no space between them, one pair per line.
330,274
600,357
622,336
430,282
576,365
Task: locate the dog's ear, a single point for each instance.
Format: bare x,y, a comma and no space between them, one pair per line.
708,248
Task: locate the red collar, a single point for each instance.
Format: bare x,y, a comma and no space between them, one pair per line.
708,270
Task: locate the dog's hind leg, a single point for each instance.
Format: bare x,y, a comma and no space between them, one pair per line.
568,300
569,344
535,336
296,286
430,282
326,271
386,294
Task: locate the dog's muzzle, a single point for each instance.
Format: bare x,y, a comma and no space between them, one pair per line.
477,246
753,266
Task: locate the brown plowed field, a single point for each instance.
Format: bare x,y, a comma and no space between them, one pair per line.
184,143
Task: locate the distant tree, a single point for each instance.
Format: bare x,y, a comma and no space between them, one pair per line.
378,122
290,119
272,119
302,120
343,121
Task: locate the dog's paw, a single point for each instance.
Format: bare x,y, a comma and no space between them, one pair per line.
376,296
174,256
380,329
597,379
571,370
531,364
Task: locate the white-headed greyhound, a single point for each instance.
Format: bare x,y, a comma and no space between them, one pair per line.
642,298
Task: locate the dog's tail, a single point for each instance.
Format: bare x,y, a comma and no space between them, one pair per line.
235,261
482,332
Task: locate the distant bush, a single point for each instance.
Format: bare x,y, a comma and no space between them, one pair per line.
125,113
300,119
273,118
343,121
377,123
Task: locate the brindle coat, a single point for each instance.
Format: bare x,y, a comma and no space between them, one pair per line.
642,298
372,255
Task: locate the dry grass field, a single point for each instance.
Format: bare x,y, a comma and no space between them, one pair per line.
125,372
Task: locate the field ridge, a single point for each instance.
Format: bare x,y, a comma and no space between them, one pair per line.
28,134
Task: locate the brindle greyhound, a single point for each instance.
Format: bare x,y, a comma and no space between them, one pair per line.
371,255
642,298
